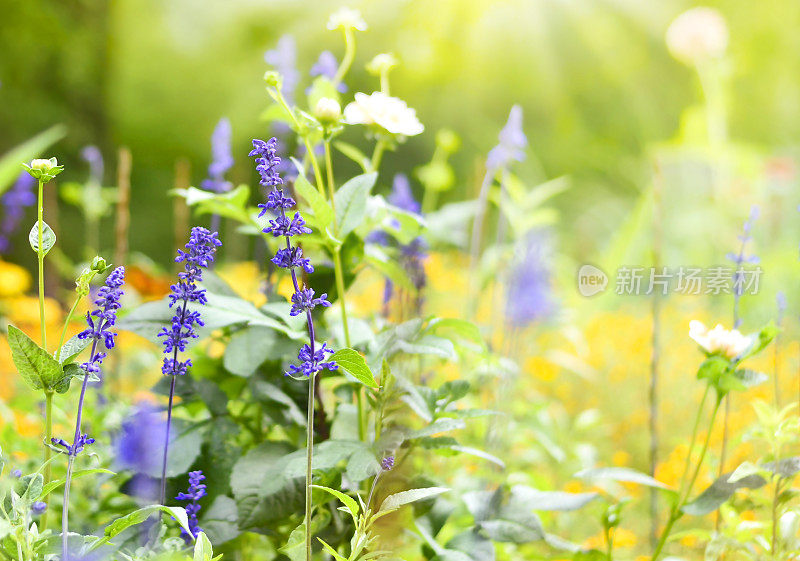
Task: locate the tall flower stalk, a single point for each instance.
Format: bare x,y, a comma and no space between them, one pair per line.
196,491
99,321
199,254
312,359
44,171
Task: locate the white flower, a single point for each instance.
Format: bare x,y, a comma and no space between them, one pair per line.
347,18
42,164
729,344
697,34
387,112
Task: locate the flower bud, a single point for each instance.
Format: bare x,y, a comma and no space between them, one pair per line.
43,169
347,19
99,264
328,110
273,79
381,64
448,140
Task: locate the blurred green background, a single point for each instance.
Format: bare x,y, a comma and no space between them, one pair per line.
598,88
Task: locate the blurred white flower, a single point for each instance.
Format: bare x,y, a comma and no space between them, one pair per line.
389,113
729,344
697,35
347,18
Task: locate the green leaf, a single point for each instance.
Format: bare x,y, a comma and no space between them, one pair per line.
454,327
330,550
347,500
625,475
202,548
48,237
511,531
351,202
354,154
323,212
35,365
380,260
248,349
10,162
719,492
354,364
395,501
53,485
72,348
137,517
553,500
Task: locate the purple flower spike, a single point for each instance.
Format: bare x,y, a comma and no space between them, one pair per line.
221,158
387,463
200,252
196,491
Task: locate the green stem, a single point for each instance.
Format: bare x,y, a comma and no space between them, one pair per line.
278,96
40,255
429,199
66,324
683,496
331,183
48,434
609,544
349,56
309,474
377,155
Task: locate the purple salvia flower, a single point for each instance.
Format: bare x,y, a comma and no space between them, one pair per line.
38,507
16,473
199,254
401,196
137,449
284,58
511,145
780,300
387,463
739,260
196,491
200,251
327,66
221,158
99,320
13,202
93,156
529,296
290,257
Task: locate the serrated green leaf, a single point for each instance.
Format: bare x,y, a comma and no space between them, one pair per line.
347,500
395,501
323,212
48,237
35,365
351,202
351,361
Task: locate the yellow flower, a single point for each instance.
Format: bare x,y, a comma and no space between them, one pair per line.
14,280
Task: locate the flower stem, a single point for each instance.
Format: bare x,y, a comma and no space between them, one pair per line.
66,325
686,490
70,463
163,493
331,183
309,458
40,255
48,434
349,56
377,155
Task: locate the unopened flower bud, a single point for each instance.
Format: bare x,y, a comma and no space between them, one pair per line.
99,264
381,63
43,169
273,79
448,140
328,110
